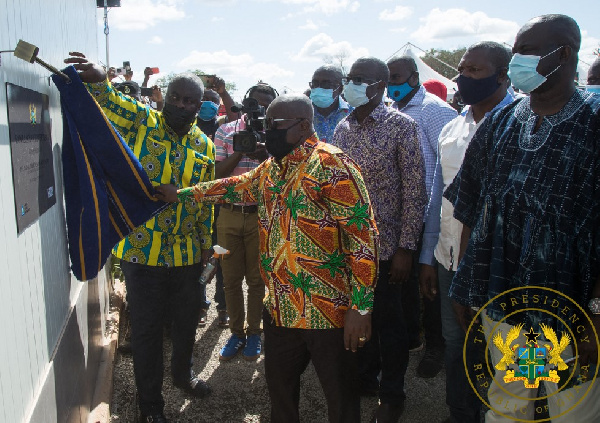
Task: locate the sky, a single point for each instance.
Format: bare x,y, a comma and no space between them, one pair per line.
282,42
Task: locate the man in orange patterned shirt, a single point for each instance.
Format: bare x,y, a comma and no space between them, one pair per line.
319,255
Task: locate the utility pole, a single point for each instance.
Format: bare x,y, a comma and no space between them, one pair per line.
106,4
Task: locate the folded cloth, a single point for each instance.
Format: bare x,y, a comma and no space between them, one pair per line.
107,192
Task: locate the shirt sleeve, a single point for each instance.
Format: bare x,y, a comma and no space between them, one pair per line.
412,189
243,188
220,143
431,233
349,205
465,191
125,113
206,226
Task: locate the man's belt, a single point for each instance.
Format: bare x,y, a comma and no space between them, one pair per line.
241,208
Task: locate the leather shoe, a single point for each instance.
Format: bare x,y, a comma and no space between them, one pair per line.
202,317
154,418
223,319
388,412
196,387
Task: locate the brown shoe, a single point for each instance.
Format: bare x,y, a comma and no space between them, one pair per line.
223,319
202,317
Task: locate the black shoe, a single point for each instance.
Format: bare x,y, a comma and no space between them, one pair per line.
154,418
196,387
431,363
388,412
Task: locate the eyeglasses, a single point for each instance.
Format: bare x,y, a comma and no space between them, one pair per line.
271,123
357,80
328,85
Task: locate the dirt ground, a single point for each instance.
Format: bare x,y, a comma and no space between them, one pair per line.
240,391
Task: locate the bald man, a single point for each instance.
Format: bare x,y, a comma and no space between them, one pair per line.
528,196
593,77
318,258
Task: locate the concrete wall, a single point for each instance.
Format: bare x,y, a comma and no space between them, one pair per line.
51,326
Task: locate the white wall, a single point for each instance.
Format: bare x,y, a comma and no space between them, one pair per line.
38,294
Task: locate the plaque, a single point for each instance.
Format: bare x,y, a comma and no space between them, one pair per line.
31,154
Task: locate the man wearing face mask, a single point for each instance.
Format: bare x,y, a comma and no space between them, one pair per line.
431,114
330,108
318,258
162,260
238,231
528,196
385,144
483,77
593,77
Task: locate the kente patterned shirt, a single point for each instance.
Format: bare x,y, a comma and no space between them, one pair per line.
318,239
178,234
325,125
386,147
532,199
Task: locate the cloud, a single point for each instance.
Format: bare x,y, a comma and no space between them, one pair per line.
156,40
135,15
231,66
326,7
455,23
399,13
322,47
216,19
309,25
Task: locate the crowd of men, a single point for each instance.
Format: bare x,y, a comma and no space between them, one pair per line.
352,214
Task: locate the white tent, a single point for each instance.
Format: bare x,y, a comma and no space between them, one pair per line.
426,72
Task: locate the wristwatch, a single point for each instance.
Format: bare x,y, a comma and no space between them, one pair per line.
594,306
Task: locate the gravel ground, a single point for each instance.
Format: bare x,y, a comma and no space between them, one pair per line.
240,391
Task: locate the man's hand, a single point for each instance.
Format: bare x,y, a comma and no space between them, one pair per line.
401,265
357,329
428,281
218,85
157,96
464,314
259,154
112,73
166,193
588,351
206,254
88,71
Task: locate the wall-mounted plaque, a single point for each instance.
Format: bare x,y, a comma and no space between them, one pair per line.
31,154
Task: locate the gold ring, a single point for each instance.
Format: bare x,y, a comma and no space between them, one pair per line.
362,339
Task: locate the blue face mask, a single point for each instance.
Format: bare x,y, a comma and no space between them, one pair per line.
593,89
522,71
208,110
398,92
321,97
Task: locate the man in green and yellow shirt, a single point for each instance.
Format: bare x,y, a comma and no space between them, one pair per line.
162,259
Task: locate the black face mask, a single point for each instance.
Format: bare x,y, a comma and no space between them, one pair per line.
473,90
178,118
276,143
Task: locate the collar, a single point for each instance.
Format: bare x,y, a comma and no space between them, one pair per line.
380,113
508,98
342,106
299,154
415,100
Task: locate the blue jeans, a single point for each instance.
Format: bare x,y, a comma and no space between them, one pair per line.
460,397
387,351
154,295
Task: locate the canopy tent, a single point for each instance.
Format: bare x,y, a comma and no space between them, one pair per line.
425,71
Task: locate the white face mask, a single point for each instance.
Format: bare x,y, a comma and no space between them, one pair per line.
356,95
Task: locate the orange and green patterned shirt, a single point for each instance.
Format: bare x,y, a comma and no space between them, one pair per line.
318,238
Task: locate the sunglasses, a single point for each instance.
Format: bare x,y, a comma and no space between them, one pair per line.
271,123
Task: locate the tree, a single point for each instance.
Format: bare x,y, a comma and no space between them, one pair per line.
450,57
164,81
338,59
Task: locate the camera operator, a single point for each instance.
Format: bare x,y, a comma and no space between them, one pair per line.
237,228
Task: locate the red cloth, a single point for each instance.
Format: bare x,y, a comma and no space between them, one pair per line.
436,87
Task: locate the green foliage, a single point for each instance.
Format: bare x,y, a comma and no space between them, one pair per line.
451,57
163,82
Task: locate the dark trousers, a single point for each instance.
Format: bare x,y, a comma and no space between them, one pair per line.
153,294
287,353
387,351
411,305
